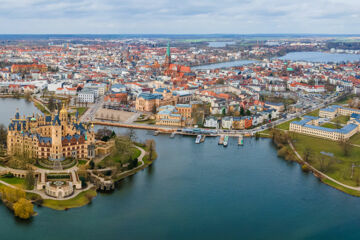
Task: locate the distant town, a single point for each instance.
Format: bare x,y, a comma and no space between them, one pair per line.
220,88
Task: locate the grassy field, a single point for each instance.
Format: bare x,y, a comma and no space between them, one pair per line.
341,119
314,113
286,125
122,158
148,121
82,162
331,125
80,200
345,100
338,167
81,110
17,182
355,139
341,188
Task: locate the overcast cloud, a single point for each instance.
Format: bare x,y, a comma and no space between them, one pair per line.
180,16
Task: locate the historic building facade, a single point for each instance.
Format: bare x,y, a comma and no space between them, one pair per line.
54,137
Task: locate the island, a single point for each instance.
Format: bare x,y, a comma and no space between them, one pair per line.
59,162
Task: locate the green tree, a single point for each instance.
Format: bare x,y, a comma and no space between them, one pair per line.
52,103
346,147
242,111
30,180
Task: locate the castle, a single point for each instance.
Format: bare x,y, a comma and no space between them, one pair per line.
54,137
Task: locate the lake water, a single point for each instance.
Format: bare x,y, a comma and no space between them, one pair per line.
201,191
223,65
220,44
322,57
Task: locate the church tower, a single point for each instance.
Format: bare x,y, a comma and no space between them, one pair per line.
168,56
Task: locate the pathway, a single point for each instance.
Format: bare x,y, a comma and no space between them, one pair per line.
320,173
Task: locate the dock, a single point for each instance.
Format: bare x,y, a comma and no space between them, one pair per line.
221,140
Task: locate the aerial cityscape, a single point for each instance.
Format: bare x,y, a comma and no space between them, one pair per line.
118,122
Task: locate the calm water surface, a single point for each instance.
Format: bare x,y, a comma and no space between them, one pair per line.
220,44
321,57
201,191
223,65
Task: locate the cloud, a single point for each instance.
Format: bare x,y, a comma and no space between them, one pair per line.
186,16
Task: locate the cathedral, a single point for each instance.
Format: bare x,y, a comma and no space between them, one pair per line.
54,137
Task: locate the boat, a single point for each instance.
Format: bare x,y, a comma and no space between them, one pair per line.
241,140
226,140
198,138
172,135
202,138
156,133
221,140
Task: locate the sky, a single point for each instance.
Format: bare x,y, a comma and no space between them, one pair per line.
179,16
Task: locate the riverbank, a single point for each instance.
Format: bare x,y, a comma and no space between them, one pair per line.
323,158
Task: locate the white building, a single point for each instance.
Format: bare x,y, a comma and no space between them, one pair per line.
211,122
226,122
86,96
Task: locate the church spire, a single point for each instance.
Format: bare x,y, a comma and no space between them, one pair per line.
168,55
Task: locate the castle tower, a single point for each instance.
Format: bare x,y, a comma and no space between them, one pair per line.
56,145
168,56
63,114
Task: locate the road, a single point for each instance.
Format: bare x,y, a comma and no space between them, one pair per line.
89,115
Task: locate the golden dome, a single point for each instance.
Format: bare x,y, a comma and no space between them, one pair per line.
63,109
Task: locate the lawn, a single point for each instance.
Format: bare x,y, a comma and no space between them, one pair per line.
341,119
17,182
81,110
331,125
41,108
345,100
355,139
122,158
314,113
340,169
286,125
82,162
80,200
148,121
341,188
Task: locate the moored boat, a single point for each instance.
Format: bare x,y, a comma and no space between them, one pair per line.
226,140
198,138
